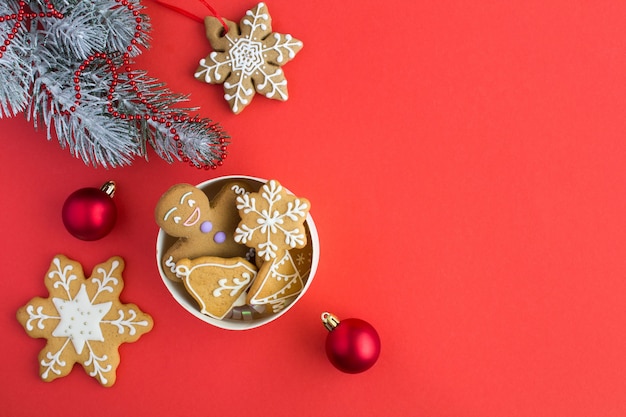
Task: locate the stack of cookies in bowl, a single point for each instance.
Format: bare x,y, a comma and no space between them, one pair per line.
236,252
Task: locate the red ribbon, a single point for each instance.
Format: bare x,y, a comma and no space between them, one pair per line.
193,16
216,15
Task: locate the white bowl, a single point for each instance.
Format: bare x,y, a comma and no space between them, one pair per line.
182,297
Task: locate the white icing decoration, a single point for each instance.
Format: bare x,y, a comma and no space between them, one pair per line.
182,198
269,222
246,56
98,369
63,274
294,278
108,280
248,276
122,322
278,305
170,211
39,316
235,288
169,262
80,319
181,271
177,219
53,360
238,190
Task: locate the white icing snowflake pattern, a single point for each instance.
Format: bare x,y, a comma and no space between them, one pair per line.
80,319
79,315
247,58
273,223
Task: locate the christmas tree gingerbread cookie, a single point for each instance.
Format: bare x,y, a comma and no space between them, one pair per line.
248,58
83,320
203,227
281,283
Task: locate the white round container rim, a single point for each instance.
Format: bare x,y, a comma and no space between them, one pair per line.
176,289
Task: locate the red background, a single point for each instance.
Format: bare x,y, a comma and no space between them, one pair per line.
466,166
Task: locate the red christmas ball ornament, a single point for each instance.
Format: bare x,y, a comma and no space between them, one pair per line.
90,213
352,345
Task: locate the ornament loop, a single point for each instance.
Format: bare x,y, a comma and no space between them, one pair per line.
108,188
330,321
193,16
216,15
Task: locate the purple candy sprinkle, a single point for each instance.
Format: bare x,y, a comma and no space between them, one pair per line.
220,237
206,227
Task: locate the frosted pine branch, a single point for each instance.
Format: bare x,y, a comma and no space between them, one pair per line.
69,76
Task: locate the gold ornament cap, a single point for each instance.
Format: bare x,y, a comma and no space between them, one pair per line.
108,188
330,321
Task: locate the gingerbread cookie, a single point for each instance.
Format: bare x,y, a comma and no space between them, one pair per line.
282,279
281,282
83,320
272,220
203,228
247,58
216,283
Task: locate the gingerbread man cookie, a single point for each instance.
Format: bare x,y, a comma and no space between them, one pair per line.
83,320
203,227
248,58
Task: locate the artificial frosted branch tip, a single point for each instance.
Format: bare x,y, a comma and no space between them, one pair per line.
66,65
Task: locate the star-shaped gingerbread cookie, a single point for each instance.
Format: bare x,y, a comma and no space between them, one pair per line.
247,58
83,320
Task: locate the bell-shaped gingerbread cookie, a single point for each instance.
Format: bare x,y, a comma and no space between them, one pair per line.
216,283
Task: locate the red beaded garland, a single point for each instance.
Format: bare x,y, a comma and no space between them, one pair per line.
22,15
157,117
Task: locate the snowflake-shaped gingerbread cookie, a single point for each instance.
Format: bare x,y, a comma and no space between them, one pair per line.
247,59
272,221
83,320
